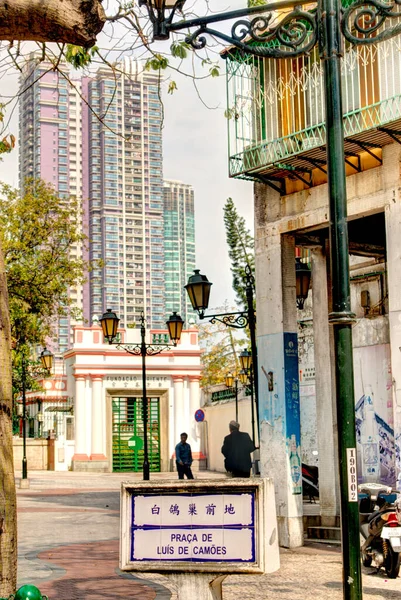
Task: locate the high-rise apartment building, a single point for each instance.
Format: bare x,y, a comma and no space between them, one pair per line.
50,145
124,183
179,245
109,154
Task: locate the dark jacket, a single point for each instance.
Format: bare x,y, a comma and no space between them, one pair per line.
237,450
183,453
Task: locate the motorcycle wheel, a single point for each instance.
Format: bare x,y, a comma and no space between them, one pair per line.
392,563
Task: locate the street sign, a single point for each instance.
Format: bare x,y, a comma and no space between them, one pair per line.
199,526
135,442
199,415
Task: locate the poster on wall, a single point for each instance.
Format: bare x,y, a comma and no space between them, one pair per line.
374,415
292,404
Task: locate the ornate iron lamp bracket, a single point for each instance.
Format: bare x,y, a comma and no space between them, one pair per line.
295,34
150,350
238,320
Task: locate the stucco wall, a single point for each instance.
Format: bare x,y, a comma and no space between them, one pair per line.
36,454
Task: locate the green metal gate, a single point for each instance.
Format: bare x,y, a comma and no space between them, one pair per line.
128,424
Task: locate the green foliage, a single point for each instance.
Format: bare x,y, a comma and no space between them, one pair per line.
241,249
79,57
158,62
172,86
22,361
179,49
38,233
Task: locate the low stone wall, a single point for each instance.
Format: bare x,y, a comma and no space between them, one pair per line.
36,454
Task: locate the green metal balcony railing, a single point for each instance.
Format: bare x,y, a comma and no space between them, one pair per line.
258,158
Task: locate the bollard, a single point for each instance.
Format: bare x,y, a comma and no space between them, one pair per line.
29,592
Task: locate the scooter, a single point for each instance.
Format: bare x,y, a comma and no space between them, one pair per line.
380,527
310,482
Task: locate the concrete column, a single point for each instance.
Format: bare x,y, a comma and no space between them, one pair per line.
325,418
179,413
391,166
98,416
81,452
279,375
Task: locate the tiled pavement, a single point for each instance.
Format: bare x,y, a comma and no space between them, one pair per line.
68,528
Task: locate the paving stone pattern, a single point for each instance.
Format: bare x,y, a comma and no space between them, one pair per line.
68,528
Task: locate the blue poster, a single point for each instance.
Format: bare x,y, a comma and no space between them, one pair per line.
292,410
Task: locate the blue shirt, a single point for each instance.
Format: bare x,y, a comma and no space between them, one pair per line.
183,453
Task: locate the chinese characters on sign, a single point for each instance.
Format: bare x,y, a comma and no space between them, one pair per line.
195,527
135,381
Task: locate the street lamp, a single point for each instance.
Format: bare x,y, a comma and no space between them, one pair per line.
288,34
247,371
109,323
232,382
303,276
46,359
198,289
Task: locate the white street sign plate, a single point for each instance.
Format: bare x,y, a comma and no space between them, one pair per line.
206,526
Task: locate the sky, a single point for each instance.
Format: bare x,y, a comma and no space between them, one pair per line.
195,152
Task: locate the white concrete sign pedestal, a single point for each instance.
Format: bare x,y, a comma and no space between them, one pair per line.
197,532
197,586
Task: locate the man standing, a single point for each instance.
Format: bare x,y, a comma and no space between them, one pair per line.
237,450
183,458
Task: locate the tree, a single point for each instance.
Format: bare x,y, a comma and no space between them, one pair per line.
8,503
241,248
38,233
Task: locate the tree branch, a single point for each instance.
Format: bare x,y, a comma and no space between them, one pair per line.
65,21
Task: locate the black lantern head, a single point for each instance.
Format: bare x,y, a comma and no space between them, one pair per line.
175,325
303,277
198,289
46,358
246,360
158,17
109,322
229,380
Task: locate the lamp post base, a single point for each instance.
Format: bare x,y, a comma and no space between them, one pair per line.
24,484
146,470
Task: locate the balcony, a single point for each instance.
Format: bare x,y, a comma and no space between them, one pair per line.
276,121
